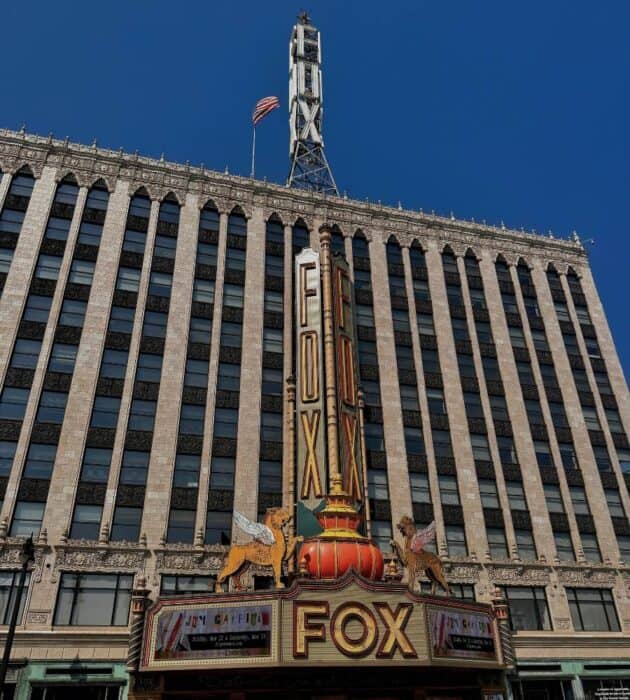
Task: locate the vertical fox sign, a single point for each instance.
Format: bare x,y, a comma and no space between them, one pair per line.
346,375
310,419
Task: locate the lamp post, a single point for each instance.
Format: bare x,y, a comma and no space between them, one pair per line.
27,555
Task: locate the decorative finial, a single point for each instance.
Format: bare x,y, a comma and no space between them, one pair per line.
199,537
43,537
502,225
64,536
4,526
399,205
94,144
104,533
143,539
66,141
303,17
452,216
345,194
226,171
162,157
163,540
23,129
575,237
121,151
50,136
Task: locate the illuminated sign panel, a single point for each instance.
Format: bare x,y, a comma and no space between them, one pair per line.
337,624
310,423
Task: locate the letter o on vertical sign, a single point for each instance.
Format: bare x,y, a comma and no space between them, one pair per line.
354,647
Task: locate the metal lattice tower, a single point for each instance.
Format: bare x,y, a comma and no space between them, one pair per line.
309,167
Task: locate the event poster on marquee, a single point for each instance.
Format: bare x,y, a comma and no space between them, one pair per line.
458,634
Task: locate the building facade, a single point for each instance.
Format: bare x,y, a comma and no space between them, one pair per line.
146,354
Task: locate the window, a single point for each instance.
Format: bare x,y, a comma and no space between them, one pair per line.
40,461
206,254
543,454
200,330
534,412
97,198
540,340
472,402
187,471
149,368
27,518
558,415
62,358
498,408
114,364
231,334
592,348
489,493
229,377
90,234
105,412
425,324
52,407
624,548
48,267
431,361
81,272
140,206
381,531
553,498
437,405
134,241
235,259
86,522
191,419
400,320
365,316
377,485
165,247
413,440
225,422
374,437
218,527
491,368
372,393
497,543
601,458
273,301
583,315
460,329
96,462
592,610
601,379
270,476
181,526
420,289
525,545
614,420
420,492
8,595
454,295
135,465
525,374
517,338
480,448
509,303
590,547
456,541
196,373
442,443
186,585
507,452
7,453
142,415
271,382
37,308
466,365
13,403
94,599
484,334
578,498
408,397
527,608
66,193
271,427
160,284
128,279
571,344
272,340
564,546
154,325
274,266
548,376
233,295
126,525
624,460
449,494
367,353
613,499
121,319
531,307
516,495
581,380
562,311
590,418
25,353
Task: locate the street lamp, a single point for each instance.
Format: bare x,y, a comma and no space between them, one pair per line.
27,555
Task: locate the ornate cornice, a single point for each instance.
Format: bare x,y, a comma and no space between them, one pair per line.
160,176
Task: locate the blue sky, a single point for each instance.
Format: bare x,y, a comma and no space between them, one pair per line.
494,110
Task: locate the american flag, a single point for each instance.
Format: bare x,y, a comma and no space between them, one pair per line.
263,107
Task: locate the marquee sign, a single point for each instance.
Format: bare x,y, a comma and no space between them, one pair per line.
336,623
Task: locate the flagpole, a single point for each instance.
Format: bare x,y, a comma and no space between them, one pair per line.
253,152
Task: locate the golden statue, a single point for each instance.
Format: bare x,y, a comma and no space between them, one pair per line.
269,548
415,558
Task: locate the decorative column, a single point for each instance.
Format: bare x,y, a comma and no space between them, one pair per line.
139,603
505,635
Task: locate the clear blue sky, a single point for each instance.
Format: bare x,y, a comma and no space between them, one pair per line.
495,110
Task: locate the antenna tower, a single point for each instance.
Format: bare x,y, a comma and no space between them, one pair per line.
309,167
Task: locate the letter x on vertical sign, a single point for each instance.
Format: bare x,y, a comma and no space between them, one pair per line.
311,480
